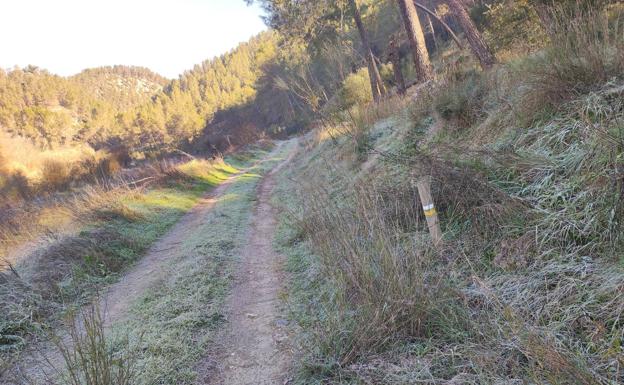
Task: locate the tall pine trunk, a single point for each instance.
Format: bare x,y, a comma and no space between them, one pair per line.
376,82
478,46
416,37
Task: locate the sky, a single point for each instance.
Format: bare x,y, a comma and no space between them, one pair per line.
167,36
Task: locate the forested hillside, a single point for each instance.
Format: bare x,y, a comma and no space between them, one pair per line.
79,126
122,86
130,106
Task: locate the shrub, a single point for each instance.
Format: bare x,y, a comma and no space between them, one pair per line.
109,166
18,183
55,175
90,357
356,89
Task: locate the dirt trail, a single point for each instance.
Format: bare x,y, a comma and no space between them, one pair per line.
117,299
254,347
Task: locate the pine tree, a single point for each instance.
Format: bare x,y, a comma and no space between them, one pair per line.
416,37
377,85
477,44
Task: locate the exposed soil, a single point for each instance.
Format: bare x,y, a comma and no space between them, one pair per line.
254,348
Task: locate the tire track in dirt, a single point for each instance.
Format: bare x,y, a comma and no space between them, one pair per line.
254,348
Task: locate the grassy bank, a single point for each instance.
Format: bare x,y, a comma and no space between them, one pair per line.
525,162
53,280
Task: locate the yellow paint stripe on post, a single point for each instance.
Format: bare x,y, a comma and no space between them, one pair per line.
430,213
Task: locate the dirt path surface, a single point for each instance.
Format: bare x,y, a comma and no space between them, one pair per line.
38,365
254,347
150,269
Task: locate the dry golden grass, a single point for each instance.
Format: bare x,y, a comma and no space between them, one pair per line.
27,170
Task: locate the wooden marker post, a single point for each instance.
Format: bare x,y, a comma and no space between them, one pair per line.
424,190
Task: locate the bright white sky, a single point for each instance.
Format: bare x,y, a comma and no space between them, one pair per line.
167,36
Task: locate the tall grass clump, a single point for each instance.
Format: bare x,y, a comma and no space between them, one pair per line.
21,309
586,51
461,99
569,170
386,284
28,170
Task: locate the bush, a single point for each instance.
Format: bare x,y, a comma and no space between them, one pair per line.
109,166
18,184
55,175
356,89
91,358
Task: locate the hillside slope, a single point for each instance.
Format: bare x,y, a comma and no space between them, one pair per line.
525,164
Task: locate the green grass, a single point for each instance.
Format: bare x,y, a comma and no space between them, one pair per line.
311,297
157,210
532,217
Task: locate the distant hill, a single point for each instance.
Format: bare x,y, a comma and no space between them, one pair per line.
52,110
122,86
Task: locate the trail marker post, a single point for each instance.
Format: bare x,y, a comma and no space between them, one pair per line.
433,222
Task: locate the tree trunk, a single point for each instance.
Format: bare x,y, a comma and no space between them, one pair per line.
477,44
395,59
415,35
373,71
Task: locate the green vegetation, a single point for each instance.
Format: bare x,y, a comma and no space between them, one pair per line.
521,133
91,358
134,112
